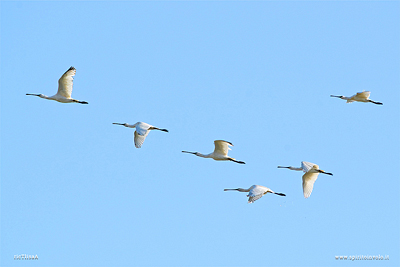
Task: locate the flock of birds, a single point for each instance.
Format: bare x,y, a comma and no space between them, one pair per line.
142,129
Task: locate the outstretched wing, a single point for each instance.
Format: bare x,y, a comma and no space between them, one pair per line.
142,128
308,183
256,192
139,139
65,83
306,166
222,147
363,95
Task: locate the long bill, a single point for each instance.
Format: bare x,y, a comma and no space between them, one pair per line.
194,153
238,189
118,123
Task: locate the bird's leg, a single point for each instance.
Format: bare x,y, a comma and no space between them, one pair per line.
155,128
377,103
237,161
328,173
80,102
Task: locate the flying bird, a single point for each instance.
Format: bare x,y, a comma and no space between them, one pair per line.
256,192
220,152
64,89
142,130
359,97
311,174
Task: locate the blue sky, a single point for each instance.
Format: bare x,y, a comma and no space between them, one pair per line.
76,192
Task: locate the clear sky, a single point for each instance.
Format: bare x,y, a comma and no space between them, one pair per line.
76,192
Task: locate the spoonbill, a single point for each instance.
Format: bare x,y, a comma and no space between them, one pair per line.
142,130
64,89
311,174
256,192
220,152
359,97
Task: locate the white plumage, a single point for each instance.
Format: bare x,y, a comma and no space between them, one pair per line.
255,192
311,174
220,152
141,132
359,97
65,84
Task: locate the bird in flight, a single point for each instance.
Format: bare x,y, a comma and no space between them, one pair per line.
65,84
142,130
311,174
359,97
256,192
220,152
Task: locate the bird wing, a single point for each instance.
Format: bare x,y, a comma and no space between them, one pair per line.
139,139
363,95
306,166
308,183
142,128
256,192
65,83
222,147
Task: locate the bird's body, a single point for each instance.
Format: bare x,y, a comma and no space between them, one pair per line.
311,174
255,192
142,130
220,152
65,84
359,97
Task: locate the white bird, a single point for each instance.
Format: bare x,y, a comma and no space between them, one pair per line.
220,152
64,89
359,97
311,174
256,192
142,130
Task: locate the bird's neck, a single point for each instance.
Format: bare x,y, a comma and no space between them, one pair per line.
203,155
243,190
